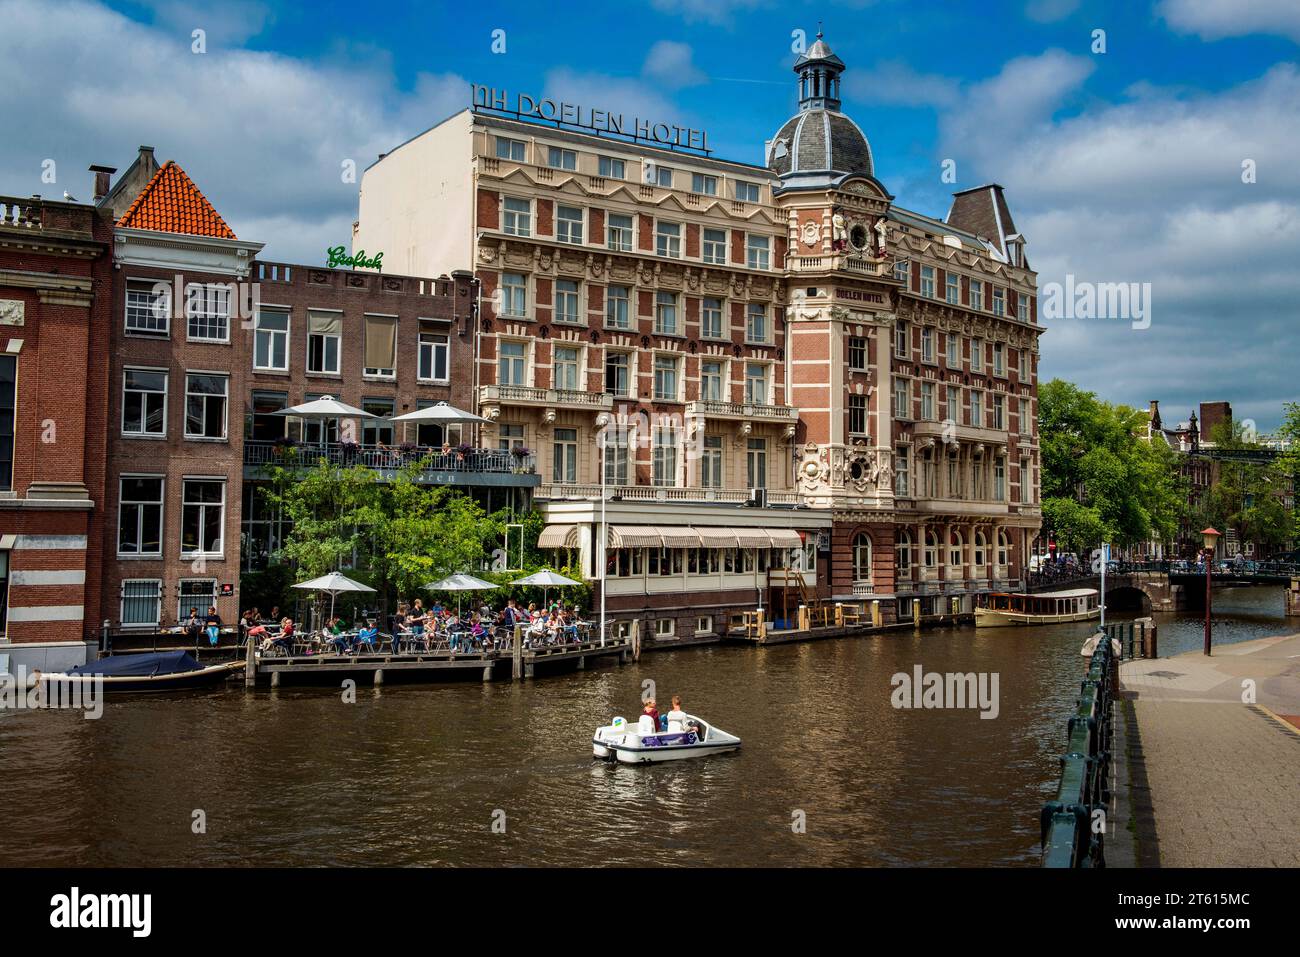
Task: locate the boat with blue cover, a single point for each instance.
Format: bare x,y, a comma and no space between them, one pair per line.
147,671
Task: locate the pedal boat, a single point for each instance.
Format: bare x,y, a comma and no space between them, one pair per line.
644,744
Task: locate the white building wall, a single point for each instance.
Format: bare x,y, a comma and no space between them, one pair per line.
417,205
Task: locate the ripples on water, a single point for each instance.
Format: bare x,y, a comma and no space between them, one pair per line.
412,775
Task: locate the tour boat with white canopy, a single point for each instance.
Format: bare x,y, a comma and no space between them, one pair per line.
1000,609
644,743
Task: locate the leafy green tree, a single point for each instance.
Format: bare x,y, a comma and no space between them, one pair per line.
1102,480
1249,498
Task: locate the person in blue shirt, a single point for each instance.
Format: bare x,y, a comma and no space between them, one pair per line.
369,635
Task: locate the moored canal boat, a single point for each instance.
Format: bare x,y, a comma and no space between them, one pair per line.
646,744
1003,609
149,671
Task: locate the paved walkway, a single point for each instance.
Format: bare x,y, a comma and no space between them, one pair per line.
1223,773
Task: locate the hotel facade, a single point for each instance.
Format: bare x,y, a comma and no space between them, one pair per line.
763,379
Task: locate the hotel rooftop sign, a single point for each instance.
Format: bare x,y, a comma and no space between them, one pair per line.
490,100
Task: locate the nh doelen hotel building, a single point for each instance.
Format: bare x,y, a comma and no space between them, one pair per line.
786,385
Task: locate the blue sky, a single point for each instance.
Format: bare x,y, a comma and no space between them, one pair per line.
1119,166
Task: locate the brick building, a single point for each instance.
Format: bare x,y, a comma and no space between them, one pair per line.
177,372
55,302
796,351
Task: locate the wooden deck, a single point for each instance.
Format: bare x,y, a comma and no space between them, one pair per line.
432,665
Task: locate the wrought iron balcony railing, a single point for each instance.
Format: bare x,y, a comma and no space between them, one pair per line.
343,454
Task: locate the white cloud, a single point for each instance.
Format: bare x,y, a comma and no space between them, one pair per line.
895,82
1150,190
263,135
229,22
716,12
670,64
1049,11
1216,19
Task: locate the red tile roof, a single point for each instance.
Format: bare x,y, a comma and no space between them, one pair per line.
171,203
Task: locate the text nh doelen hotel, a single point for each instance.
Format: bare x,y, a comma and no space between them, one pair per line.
491,99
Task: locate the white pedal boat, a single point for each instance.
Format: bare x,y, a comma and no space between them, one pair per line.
644,743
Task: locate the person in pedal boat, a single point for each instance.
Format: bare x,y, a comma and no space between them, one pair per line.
651,711
678,720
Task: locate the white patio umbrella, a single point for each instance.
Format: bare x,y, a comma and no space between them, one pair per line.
442,412
439,414
333,584
460,582
548,580
325,409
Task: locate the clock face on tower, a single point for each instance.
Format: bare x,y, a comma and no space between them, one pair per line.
11,312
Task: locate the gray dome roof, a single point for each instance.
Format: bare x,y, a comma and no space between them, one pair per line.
820,141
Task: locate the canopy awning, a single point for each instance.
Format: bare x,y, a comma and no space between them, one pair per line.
718,537
752,537
680,536
635,536
784,538
558,536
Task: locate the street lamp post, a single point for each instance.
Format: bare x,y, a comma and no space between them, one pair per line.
1210,537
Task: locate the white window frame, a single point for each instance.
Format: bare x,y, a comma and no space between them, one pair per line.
183,601
667,243
517,222
711,250
161,505
569,318
709,330
608,164
203,506
215,293
612,320
747,192
160,301
660,369
515,361
509,152
225,407
431,346
704,184
567,228
271,335
765,380
620,238
662,306
577,366
757,311
758,251
568,159
166,395
122,603
512,293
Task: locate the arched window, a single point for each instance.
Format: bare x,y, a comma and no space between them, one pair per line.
1002,547
956,545
903,550
931,553
980,549
862,557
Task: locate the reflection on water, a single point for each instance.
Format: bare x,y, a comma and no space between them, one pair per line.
414,775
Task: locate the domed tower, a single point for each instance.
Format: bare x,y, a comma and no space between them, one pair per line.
839,323
819,146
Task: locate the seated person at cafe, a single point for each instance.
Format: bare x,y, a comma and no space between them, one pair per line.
369,635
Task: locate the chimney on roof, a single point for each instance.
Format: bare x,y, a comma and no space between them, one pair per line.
103,180
1155,415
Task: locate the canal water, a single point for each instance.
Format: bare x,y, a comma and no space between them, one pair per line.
501,774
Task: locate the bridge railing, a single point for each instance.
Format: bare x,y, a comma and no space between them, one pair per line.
1073,827
1062,576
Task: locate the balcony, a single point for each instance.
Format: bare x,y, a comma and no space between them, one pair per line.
655,493
711,409
858,265
459,466
544,398
864,589
946,431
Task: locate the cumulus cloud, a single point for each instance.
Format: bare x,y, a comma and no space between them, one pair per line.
1151,190
263,135
1049,11
716,12
671,64
1216,19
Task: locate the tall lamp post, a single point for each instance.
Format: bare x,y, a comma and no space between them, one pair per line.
1210,536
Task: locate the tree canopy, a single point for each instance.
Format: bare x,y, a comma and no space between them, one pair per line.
1102,480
